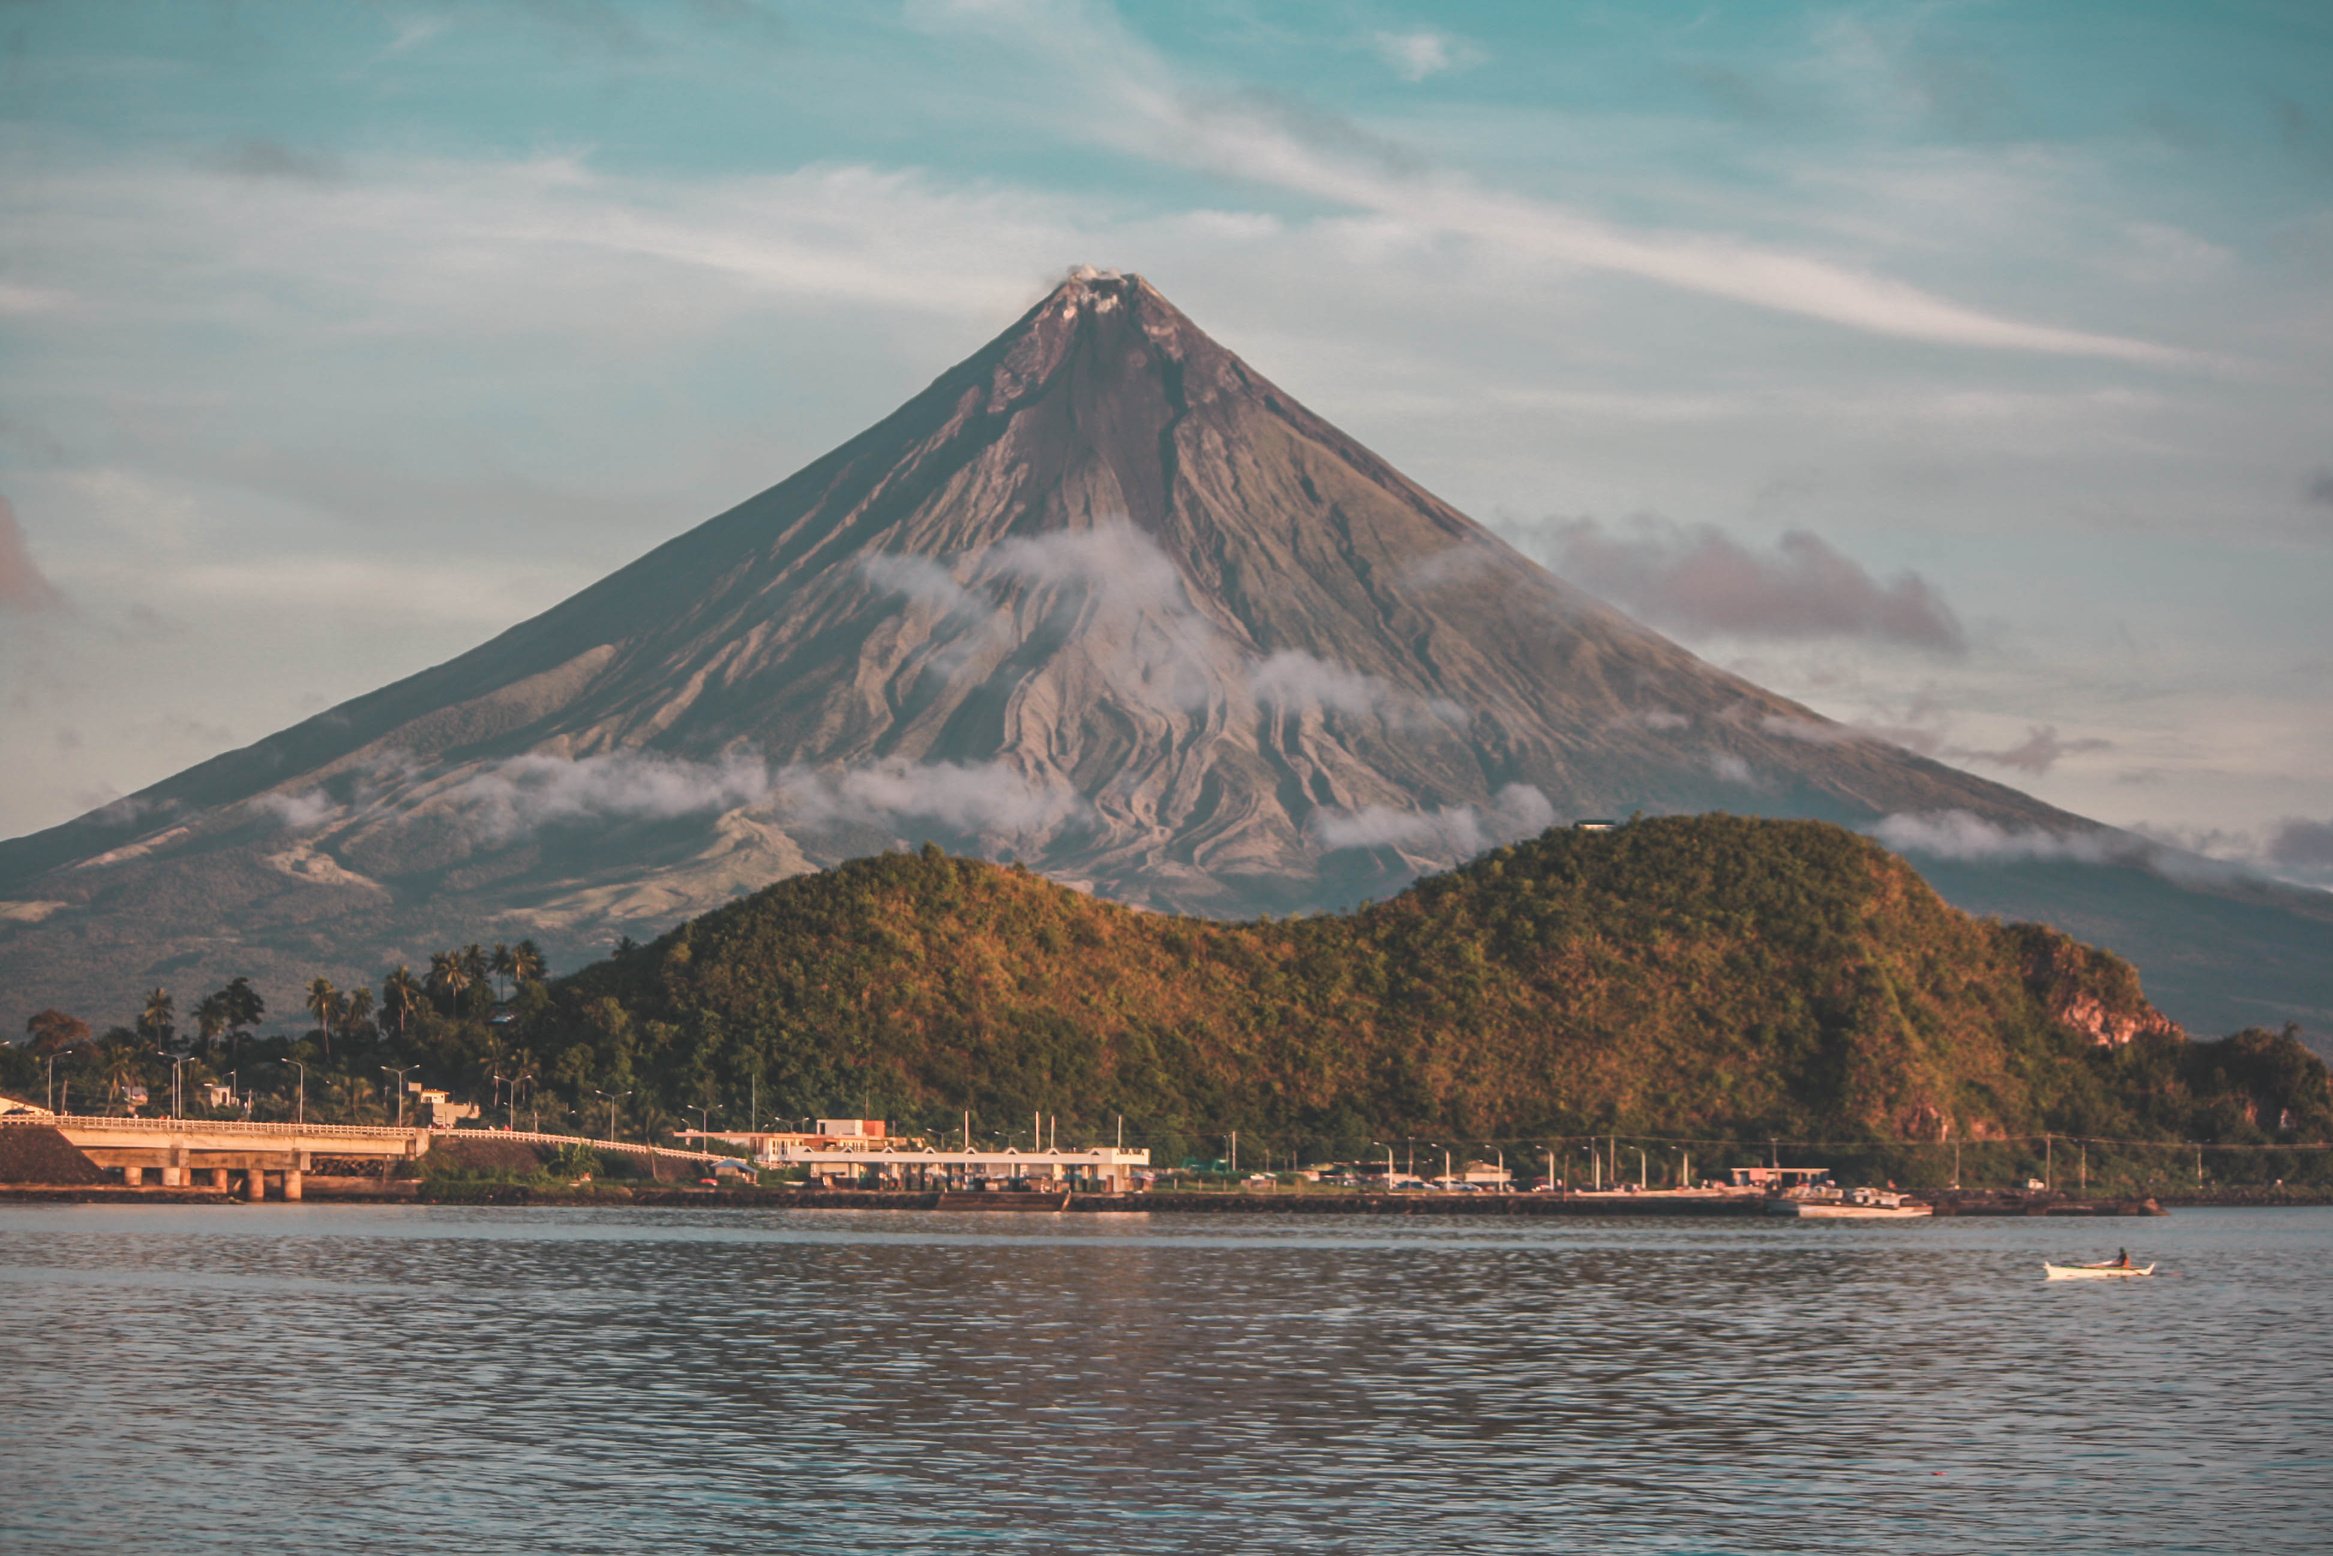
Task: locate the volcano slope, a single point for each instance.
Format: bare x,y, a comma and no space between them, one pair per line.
1705,976
1102,599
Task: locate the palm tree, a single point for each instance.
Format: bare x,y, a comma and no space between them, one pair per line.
526,962
211,1018
448,977
499,963
474,962
121,1057
324,1004
356,1013
401,993
155,1021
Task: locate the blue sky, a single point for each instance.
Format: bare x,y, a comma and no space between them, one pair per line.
335,338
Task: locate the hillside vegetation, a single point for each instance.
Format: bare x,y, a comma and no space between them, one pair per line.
1704,976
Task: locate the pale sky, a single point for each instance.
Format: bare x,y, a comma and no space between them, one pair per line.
1964,370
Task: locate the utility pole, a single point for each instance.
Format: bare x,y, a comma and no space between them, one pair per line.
1235,1153
2084,1169
2049,1171
1551,1169
1956,1161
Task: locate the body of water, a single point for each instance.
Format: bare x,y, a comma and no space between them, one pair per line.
324,1378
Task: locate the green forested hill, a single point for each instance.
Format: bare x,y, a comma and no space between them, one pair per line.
1706,976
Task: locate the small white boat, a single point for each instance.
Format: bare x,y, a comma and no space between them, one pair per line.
1848,1210
2110,1270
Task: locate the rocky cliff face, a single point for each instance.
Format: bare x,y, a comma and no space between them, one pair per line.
1102,599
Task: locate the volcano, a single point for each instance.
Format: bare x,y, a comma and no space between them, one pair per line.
1102,600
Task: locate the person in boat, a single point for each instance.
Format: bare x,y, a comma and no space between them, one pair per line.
2122,1259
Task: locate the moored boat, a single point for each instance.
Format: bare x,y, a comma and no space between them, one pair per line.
1854,1205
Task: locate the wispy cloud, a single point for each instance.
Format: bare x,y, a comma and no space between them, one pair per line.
501,802
23,586
1699,580
2041,749
972,797
2302,849
525,793
1958,835
1139,102
1442,832
1419,52
1297,681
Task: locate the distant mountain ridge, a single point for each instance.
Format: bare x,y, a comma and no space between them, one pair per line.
1102,599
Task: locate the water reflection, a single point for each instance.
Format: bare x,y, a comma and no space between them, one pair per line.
337,1377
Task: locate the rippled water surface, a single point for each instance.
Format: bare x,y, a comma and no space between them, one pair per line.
330,1378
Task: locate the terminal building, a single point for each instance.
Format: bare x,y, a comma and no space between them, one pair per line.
863,1153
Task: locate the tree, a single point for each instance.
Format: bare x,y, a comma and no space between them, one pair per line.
324,1004
245,1009
50,1032
449,979
401,995
210,1018
500,964
155,1021
526,962
356,1014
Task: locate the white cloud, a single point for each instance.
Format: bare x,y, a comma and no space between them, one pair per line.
1421,52
1955,834
990,797
1298,682
302,811
520,795
1445,832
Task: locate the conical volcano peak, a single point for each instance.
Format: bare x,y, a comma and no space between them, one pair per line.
1100,596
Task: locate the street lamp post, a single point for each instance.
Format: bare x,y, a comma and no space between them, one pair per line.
300,1112
52,1064
704,1127
177,1092
1641,1172
611,1099
1388,1144
400,1071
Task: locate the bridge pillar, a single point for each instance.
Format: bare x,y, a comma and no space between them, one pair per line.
173,1177
292,1184
219,1181
133,1176
254,1185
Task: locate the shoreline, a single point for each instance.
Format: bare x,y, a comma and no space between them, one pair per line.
352,1191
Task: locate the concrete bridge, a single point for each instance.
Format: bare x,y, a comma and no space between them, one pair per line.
183,1151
